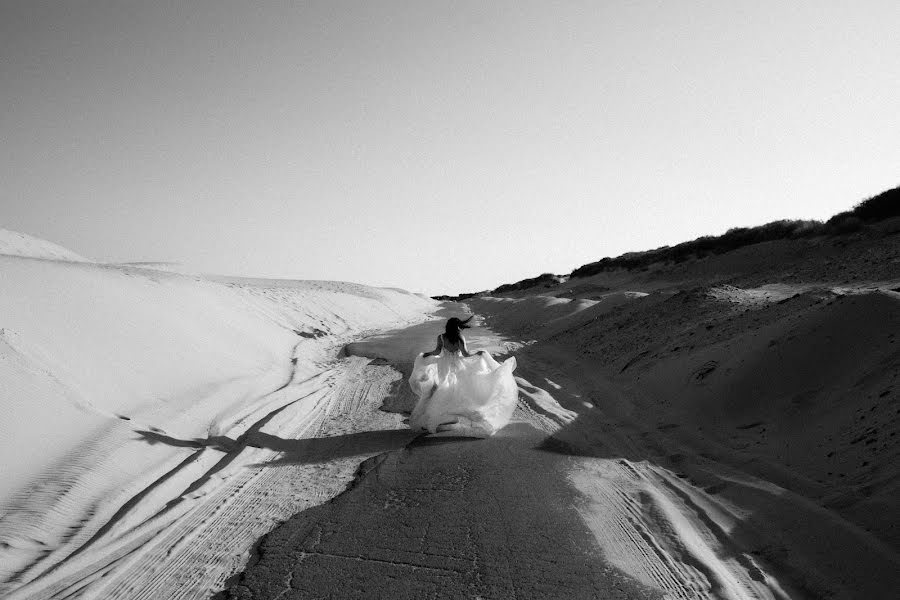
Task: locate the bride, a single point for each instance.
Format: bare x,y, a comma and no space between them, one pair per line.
469,394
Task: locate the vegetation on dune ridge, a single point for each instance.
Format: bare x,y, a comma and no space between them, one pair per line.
545,280
548,279
877,208
734,238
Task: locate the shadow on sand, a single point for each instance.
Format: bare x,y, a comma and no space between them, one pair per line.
324,449
299,451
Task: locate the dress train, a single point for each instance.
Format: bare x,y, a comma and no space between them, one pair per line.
473,396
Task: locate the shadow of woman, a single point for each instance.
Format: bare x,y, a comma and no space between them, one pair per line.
298,451
324,449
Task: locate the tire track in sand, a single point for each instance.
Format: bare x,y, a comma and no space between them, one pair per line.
191,547
649,522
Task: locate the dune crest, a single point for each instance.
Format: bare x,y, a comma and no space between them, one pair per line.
13,243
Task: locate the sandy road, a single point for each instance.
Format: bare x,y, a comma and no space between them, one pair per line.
444,518
565,502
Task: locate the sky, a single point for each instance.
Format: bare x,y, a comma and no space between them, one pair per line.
441,147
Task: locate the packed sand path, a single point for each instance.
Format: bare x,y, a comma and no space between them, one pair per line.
520,515
445,517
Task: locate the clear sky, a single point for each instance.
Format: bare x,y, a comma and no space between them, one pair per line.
442,147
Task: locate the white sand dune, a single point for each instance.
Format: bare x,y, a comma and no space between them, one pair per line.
169,267
143,411
13,243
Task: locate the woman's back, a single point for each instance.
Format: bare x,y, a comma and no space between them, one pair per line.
449,346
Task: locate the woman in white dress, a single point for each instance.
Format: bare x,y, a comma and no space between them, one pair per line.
470,394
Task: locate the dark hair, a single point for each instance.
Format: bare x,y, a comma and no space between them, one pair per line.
451,331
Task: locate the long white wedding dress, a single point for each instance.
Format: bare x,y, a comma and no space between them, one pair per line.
472,396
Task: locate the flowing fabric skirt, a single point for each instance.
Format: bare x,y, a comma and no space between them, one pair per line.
473,396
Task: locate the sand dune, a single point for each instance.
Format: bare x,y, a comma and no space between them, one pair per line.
144,411
13,243
734,442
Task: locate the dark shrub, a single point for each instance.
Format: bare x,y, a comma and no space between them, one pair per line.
545,279
877,208
732,239
845,222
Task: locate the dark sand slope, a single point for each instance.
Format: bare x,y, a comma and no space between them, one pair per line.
771,414
444,518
